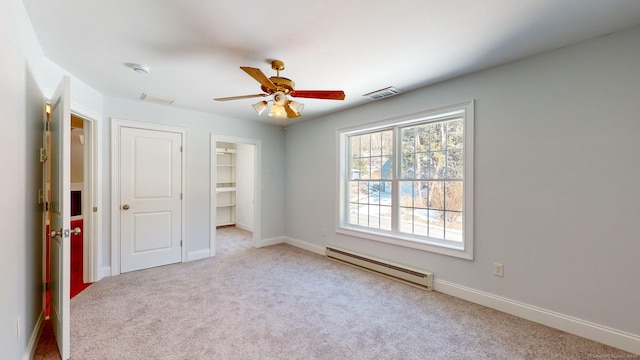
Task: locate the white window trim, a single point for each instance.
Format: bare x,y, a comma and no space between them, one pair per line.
465,251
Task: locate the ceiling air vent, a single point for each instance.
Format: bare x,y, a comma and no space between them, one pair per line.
156,99
383,93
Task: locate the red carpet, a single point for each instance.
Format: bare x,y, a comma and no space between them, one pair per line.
77,284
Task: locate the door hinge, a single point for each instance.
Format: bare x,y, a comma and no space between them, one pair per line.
47,126
46,285
43,155
180,148
180,243
180,196
95,209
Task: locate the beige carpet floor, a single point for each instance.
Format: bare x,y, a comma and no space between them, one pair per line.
281,302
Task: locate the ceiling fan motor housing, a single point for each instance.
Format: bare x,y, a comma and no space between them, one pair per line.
282,84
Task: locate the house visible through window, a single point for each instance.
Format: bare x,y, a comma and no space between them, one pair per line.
409,181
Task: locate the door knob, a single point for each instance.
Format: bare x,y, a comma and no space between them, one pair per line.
54,233
125,207
76,231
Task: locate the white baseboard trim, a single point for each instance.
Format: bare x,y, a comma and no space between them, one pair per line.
198,255
270,241
603,334
30,351
305,245
106,271
244,227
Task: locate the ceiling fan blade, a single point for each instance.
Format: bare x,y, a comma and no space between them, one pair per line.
260,77
240,97
319,94
291,114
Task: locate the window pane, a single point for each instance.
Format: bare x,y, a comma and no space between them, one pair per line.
376,167
354,192
453,225
455,134
355,146
364,165
453,195
437,136
422,166
374,192
374,216
376,144
387,168
420,222
387,142
385,217
385,193
363,215
436,195
422,138
408,166
454,164
406,193
365,145
408,141
358,166
406,220
420,194
353,214
432,166
436,224
438,164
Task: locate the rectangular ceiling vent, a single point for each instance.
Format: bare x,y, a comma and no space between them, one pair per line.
383,93
156,99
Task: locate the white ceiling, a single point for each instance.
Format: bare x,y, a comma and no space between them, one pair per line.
194,47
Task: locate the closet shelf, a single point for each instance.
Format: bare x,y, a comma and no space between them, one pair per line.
225,205
225,189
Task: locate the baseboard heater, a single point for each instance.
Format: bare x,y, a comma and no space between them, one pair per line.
411,276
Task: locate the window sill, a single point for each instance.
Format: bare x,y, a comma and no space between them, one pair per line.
394,239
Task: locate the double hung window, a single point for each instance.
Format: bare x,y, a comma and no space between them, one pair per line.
408,181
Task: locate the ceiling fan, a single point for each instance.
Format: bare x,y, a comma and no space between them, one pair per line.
280,88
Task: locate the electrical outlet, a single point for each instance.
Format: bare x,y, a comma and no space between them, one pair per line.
498,269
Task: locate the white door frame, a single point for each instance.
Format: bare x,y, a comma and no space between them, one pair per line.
91,195
257,208
116,124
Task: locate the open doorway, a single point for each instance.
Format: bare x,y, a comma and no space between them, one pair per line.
235,194
79,197
83,196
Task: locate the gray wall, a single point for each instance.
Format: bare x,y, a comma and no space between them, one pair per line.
556,172
21,276
245,177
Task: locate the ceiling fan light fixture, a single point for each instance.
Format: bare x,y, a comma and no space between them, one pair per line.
277,111
260,107
296,107
279,98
